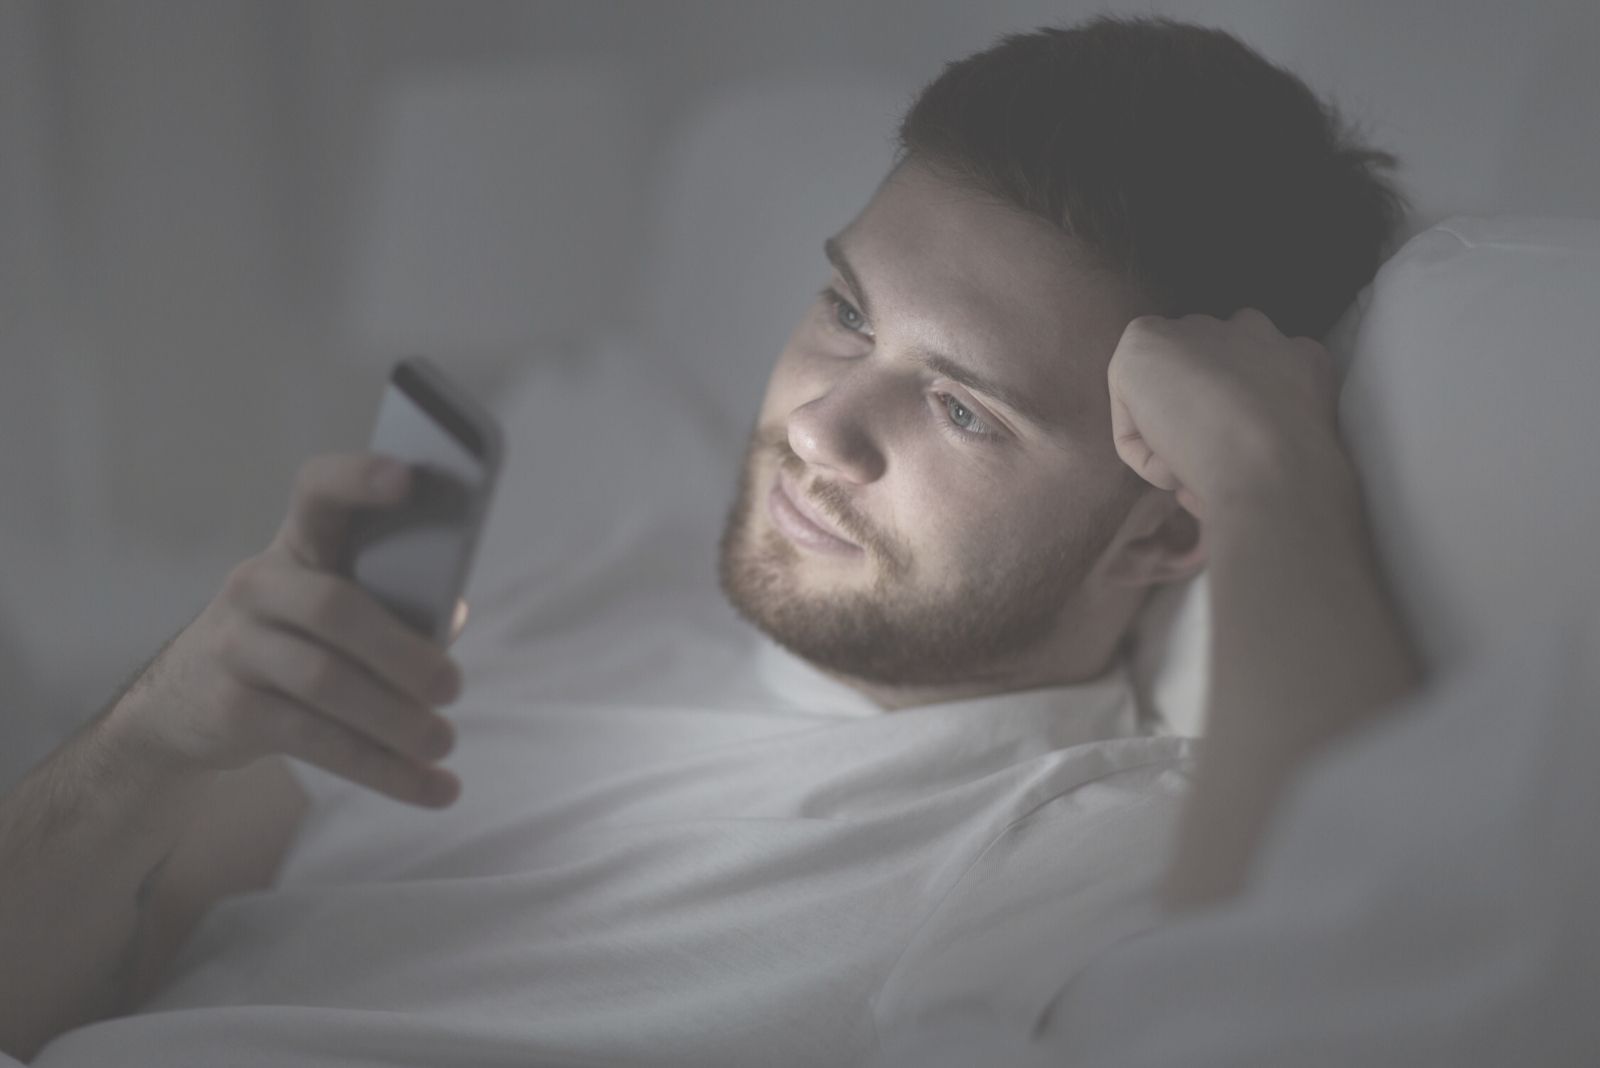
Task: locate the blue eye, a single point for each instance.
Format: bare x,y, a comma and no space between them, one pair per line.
963,418
844,314
960,414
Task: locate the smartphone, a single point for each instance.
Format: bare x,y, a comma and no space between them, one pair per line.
415,557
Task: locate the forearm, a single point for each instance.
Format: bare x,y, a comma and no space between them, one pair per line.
81,838
1305,646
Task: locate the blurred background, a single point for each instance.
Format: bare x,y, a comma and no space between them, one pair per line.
221,220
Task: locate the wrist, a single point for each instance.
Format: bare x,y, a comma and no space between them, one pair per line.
131,745
1308,481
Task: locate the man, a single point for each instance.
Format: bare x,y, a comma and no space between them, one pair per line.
944,512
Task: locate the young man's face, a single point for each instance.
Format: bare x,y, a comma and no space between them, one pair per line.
931,480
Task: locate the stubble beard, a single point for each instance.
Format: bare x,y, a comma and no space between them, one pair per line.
890,633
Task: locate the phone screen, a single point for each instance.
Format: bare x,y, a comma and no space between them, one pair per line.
415,557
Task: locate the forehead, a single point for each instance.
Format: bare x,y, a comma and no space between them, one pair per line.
1005,292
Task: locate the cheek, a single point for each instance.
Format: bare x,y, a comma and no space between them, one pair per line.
983,522
955,512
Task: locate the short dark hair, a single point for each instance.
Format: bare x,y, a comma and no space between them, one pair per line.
1183,161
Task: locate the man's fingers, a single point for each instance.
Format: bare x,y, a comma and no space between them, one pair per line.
339,690
327,489
1136,452
290,727
1256,321
1124,435
346,618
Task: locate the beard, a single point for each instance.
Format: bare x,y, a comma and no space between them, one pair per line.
894,633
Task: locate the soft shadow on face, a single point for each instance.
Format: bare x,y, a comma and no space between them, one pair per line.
886,626
980,545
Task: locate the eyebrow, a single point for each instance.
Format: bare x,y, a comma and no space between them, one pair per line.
938,362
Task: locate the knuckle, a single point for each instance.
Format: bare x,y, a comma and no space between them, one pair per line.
318,675
240,580
325,605
1316,349
1262,322
231,645
235,695
1145,324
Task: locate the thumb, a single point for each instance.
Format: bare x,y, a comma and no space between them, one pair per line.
329,490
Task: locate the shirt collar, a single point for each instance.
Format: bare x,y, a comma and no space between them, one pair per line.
1094,710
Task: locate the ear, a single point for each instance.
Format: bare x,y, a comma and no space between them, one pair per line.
1159,542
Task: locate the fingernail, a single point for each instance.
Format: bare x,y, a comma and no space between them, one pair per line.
389,476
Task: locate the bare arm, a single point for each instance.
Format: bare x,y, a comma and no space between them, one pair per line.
234,844
1240,423
116,845
81,838
111,859
1305,647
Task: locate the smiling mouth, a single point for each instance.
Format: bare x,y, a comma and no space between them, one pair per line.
804,525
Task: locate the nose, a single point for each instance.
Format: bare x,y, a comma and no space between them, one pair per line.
832,432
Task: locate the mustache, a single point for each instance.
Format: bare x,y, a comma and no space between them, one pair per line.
829,498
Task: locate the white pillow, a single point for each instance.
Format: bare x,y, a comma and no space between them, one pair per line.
1169,660
1470,406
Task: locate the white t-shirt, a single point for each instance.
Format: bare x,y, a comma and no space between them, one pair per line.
677,844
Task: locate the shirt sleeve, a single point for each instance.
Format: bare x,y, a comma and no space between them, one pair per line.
1083,866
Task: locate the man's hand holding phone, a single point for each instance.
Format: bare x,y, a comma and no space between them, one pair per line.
293,657
329,646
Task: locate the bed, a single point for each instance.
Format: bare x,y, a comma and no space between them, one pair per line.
1460,483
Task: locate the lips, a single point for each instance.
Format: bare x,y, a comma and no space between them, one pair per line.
803,523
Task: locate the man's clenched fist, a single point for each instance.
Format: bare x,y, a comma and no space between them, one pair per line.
1212,408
